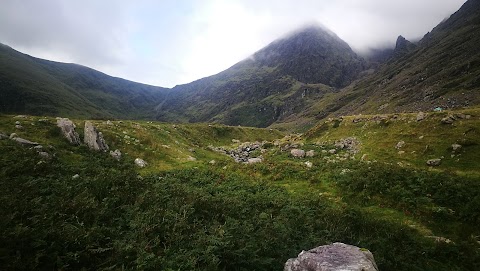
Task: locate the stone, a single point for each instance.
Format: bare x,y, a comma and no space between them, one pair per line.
24,141
235,141
212,162
140,162
297,153
191,158
310,153
401,152
13,135
76,176
364,157
254,160
109,123
308,164
116,154
38,148
332,151
421,116
456,147
19,127
448,119
17,123
334,257
400,145
68,130
44,155
93,138
3,136
434,162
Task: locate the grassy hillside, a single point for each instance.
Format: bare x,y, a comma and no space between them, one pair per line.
30,85
180,213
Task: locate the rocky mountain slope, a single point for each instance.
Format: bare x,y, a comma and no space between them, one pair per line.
30,85
277,81
442,70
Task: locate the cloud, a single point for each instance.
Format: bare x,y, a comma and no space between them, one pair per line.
171,42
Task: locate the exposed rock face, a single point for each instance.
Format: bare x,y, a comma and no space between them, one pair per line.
140,162
68,130
117,154
93,138
297,153
334,257
434,162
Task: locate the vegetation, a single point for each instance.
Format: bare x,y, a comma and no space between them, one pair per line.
178,214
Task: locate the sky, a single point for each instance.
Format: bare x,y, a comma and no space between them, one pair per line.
170,42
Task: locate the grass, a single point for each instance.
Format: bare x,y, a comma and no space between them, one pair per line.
178,214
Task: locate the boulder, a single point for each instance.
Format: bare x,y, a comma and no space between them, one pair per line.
68,130
332,151
116,154
448,119
254,160
297,153
93,138
13,135
421,116
18,126
434,162
334,257
140,162
310,153
456,147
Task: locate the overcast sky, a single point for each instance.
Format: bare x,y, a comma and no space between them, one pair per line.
169,42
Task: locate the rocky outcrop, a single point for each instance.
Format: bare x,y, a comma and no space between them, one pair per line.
68,130
93,138
350,144
242,153
334,257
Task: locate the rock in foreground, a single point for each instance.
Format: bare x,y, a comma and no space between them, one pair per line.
68,130
334,257
93,138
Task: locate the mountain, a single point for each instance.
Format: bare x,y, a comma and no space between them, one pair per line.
441,70
30,85
277,81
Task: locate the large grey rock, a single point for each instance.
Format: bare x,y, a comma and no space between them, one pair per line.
93,138
24,141
297,153
434,162
68,130
334,257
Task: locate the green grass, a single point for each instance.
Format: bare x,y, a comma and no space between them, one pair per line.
177,214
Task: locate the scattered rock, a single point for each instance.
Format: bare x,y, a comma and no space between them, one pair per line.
401,152
20,117
93,138
439,239
297,153
68,130
44,155
17,123
310,153
421,116
351,144
13,135
140,162
24,141
76,176
254,160
117,154
3,136
456,147
434,162
334,257
308,164
241,153
109,123
364,157
191,158
212,162
38,148
235,141
19,127
421,137
448,119
400,145
332,151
